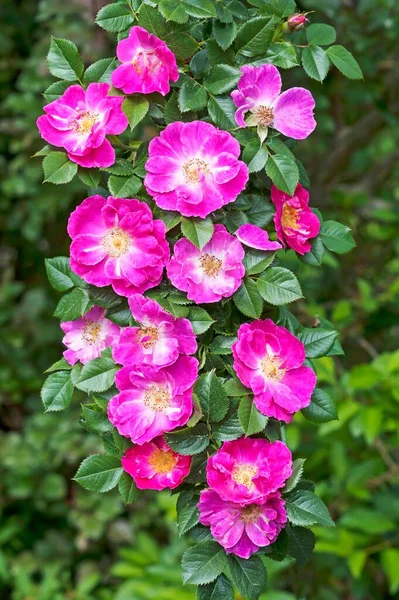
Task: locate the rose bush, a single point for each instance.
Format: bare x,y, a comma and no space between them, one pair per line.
203,191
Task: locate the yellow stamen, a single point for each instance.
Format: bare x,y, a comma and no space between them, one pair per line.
244,473
148,332
162,462
85,122
91,332
270,367
289,217
265,115
193,168
157,398
116,242
250,513
210,264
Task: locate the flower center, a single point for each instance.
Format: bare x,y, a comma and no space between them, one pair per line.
162,462
116,242
145,61
264,115
85,121
210,264
151,333
244,473
289,217
91,332
157,398
193,168
270,367
250,513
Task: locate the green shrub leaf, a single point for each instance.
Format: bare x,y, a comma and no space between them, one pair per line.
99,473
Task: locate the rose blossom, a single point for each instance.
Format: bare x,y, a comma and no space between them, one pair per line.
247,470
116,242
209,274
294,221
147,64
242,530
269,360
291,112
79,121
154,466
194,168
159,340
88,336
152,402
255,237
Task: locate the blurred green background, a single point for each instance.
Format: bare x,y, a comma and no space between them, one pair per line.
59,542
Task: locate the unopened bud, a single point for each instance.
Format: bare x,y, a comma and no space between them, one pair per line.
295,22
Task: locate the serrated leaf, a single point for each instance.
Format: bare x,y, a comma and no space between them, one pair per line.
318,341
321,34
301,543
127,488
345,62
97,375
172,11
58,168
261,211
182,44
199,8
315,256
104,297
56,90
297,470
255,156
64,61
235,388
100,71
305,508
284,173
192,96
315,62
225,33
248,575
124,187
229,429
255,36
282,54
198,231
187,511
278,286
200,319
95,420
203,562
321,409
337,237
256,261
73,305
59,273
120,167
115,17
222,110
99,473
251,419
152,21
222,78
90,177
248,299
212,397
221,589
189,441
59,365
57,390
221,344
135,108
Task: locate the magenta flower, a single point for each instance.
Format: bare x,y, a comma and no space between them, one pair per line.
153,401
147,64
88,336
294,220
116,242
255,237
154,466
209,274
194,168
269,360
291,112
159,340
247,470
242,530
79,121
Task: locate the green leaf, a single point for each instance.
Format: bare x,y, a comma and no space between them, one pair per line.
284,173
256,261
120,316
104,297
315,62
337,237
127,488
192,96
64,61
100,71
120,167
115,17
248,575
59,365
56,90
182,44
315,256
251,418
200,320
152,21
345,62
278,286
235,388
124,187
212,397
255,156
305,508
318,341
282,54
58,168
248,299
261,211
172,11
255,36
187,511
203,562
225,33
221,78
222,110
135,108
57,390
59,273
198,231
73,305
321,34
301,543
390,561
189,441
321,409
99,473
221,589
199,8
97,375
221,344
95,420
297,470
90,177
229,429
